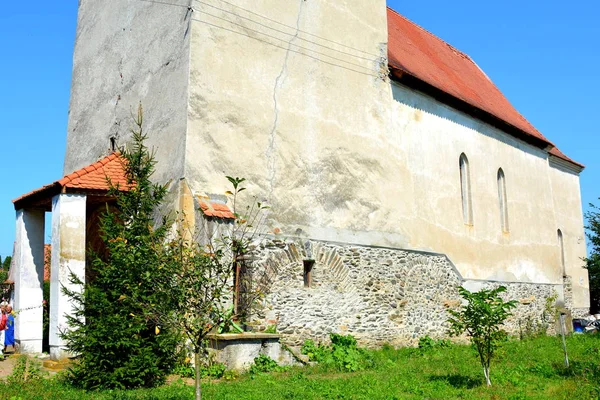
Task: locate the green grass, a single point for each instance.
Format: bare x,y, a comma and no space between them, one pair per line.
530,369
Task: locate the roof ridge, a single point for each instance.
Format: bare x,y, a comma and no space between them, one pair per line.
87,169
460,52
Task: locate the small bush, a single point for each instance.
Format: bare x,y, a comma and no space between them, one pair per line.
263,364
427,343
343,353
271,329
25,370
214,370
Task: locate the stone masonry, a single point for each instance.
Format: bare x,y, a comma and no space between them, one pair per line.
379,295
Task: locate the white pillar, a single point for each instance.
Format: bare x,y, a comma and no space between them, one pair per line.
29,278
68,256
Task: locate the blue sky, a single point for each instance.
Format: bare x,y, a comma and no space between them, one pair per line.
544,55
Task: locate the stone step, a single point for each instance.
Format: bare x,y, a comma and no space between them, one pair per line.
56,365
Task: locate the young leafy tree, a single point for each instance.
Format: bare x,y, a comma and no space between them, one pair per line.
196,279
593,261
6,263
117,345
481,318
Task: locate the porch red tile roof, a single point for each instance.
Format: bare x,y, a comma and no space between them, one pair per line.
92,177
95,176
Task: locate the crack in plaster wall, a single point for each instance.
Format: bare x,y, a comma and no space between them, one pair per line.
270,153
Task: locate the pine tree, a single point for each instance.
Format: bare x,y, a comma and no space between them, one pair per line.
117,344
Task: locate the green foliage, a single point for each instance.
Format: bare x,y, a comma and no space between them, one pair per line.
195,275
271,329
117,344
4,269
214,370
592,263
264,364
315,352
427,343
46,317
24,371
531,370
481,318
342,355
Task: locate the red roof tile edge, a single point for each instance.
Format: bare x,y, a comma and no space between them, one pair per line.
216,210
68,180
559,154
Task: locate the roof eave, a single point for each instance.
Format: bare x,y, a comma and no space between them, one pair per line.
563,163
38,198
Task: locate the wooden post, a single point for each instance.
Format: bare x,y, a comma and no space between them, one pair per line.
562,333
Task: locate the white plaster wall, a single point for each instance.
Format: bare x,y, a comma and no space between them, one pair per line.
569,219
68,257
288,123
127,52
29,263
433,136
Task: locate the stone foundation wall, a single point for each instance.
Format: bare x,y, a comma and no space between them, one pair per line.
379,295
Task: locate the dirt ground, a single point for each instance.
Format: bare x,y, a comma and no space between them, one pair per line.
7,365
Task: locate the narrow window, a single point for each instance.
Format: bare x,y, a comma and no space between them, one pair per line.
113,144
465,189
308,266
502,200
562,252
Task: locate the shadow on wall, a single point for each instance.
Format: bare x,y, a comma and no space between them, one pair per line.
425,104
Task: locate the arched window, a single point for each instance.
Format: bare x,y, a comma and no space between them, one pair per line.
562,252
502,200
465,189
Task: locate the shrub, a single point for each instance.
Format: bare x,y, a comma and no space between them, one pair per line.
264,363
343,353
481,318
117,344
212,370
24,371
427,343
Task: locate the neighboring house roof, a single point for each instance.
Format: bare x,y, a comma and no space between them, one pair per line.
414,51
47,261
47,265
92,178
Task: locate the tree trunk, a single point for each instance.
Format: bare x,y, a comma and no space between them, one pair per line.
197,366
486,372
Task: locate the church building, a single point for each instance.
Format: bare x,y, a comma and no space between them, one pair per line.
394,168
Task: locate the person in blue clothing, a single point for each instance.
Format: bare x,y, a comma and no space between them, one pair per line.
9,334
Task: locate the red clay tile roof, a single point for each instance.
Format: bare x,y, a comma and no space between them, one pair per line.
92,177
559,154
217,210
419,53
